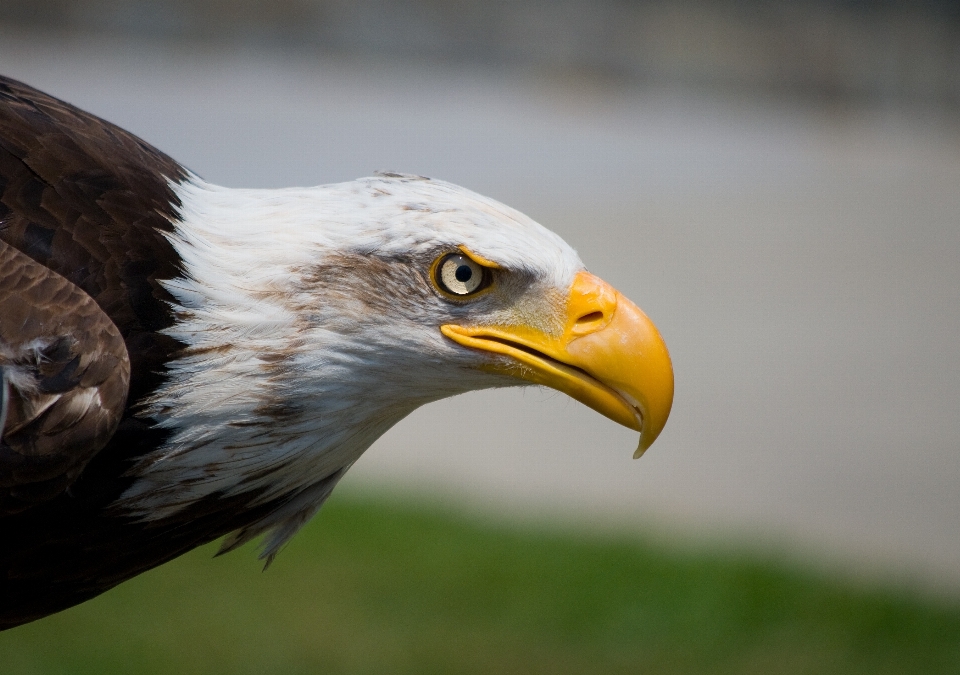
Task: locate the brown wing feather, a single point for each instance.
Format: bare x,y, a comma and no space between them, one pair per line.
91,202
67,374
86,206
83,209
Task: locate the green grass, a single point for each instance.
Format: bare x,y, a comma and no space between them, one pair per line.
389,587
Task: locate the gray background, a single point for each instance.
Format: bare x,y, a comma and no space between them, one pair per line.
799,254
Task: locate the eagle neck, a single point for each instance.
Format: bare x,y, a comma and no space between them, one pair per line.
267,400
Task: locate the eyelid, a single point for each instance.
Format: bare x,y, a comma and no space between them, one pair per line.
479,259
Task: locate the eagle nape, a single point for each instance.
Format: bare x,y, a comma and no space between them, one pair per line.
182,362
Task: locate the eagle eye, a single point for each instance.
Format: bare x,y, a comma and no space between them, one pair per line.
458,275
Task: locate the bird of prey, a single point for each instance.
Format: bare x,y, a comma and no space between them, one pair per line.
181,362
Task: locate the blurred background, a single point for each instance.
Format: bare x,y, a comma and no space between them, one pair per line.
774,183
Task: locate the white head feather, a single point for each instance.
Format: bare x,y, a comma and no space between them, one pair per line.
312,327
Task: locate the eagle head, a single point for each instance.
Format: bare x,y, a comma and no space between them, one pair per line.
314,319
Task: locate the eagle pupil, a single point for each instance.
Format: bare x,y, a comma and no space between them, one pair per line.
463,273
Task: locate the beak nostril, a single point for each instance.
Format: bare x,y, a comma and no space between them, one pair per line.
592,317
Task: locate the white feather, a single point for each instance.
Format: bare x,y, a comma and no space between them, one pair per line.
261,340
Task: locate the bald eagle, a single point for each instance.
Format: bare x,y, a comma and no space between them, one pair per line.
181,362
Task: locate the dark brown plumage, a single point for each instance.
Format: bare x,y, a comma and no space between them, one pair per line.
76,369
83,209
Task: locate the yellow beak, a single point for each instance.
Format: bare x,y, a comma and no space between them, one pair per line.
609,357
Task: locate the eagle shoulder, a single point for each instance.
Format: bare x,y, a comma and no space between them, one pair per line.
85,210
64,374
